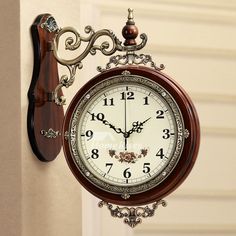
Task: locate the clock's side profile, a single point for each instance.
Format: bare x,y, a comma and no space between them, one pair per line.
132,135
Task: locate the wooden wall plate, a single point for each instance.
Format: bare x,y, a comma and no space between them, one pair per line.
45,118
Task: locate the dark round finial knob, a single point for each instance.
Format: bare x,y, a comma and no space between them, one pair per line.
130,31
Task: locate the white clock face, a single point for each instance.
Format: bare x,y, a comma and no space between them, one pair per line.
125,134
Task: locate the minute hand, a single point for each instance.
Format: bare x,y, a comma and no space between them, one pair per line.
137,127
105,122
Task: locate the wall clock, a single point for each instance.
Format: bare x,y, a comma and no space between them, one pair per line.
131,134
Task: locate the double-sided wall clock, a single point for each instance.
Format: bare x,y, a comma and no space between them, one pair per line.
130,135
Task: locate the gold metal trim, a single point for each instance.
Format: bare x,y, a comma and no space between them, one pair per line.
50,133
130,59
132,215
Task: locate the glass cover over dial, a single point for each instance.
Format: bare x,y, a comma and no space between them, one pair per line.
126,134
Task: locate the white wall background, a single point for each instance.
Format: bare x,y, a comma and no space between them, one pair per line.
196,40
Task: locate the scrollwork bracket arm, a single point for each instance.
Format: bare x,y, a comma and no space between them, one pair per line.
74,41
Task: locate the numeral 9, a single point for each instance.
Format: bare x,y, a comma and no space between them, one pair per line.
89,134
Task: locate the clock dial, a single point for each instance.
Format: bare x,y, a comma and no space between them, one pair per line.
127,134
131,135
126,131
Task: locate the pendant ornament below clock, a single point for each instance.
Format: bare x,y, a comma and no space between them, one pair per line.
131,133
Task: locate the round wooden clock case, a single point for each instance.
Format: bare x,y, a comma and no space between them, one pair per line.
182,166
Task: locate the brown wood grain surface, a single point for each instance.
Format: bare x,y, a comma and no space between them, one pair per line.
43,113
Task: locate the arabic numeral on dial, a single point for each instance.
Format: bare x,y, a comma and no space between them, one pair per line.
127,95
160,114
109,165
89,134
160,153
99,116
95,154
127,173
146,101
167,134
146,168
108,102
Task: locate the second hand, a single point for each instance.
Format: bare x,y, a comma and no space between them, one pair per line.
125,136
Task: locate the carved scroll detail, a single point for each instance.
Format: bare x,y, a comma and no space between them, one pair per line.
132,215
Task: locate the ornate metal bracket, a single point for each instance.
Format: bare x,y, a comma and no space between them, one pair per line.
132,215
73,44
130,32
45,94
130,59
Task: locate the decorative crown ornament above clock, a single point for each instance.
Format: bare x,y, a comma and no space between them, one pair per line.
130,135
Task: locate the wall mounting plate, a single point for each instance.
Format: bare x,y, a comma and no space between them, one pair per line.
45,118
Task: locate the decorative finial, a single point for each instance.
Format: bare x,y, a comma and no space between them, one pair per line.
130,31
130,16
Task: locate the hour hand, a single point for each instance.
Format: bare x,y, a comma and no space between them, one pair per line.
137,127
